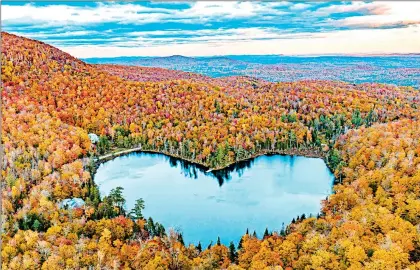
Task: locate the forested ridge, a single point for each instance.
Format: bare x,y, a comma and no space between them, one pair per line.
367,133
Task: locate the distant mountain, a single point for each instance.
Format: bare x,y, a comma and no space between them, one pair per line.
390,69
166,61
177,57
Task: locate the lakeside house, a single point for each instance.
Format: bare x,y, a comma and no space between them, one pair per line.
93,138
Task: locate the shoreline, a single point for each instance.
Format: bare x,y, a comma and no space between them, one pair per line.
308,152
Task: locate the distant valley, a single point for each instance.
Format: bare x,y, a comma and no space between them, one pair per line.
390,69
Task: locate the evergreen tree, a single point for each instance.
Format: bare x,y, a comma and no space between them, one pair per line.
94,194
218,241
232,252
240,243
334,159
103,144
221,154
117,198
371,117
217,106
357,119
181,239
199,248
150,226
160,230
36,225
282,231
136,212
266,234
287,230
254,234
209,246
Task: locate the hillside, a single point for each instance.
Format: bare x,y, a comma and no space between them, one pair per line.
37,54
367,133
150,74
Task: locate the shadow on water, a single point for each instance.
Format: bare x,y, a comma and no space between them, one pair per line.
191,170
226,174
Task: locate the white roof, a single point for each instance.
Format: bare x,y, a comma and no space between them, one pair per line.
93,137
72,203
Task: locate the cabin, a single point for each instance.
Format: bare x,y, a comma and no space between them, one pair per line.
72,203
93,138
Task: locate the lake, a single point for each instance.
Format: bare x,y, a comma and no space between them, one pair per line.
257,194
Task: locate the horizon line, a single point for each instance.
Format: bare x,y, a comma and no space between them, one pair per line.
284,55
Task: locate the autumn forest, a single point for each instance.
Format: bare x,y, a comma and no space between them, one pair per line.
368,134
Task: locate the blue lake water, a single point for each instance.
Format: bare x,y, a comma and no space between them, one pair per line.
257,194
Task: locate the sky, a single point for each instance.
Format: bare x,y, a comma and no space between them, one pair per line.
205,28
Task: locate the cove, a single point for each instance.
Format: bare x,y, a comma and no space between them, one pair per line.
261,193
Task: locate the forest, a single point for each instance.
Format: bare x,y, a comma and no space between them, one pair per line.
367,133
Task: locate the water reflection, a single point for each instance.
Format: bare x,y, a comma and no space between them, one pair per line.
255,194
191,169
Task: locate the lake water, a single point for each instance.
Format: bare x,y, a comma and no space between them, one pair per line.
262,193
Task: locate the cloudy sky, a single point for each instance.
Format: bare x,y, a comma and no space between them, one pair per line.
108,29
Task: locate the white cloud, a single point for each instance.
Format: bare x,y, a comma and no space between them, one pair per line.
209,36
64,25
63,14
251,32
134,13
373,8
401,40
300,6
55,35
227,9
379,14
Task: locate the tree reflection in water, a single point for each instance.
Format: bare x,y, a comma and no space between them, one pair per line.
191,169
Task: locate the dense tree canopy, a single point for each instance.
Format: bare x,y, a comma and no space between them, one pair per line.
368,134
